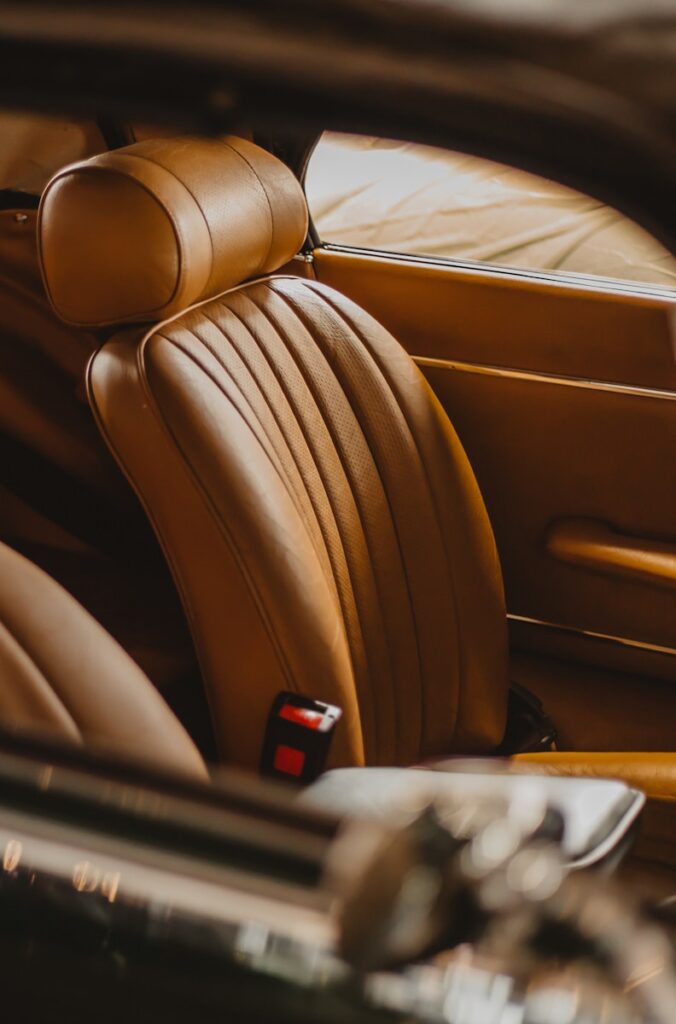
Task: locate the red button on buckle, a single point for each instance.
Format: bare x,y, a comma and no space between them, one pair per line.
297,737
289,760
302,716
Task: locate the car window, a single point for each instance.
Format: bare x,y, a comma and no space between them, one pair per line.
401,197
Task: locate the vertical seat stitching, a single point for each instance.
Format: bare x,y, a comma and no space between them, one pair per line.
313,390
284,476
321,476
449,566
223,529
278,421
321,473
247,412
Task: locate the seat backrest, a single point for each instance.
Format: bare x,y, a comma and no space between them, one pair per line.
63,676
63,502
320,517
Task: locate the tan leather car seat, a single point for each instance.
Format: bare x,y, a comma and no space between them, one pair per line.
63,676
320,517
63,502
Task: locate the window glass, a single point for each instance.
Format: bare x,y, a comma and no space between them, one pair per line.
406,198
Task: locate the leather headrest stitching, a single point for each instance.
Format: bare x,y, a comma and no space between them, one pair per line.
141,233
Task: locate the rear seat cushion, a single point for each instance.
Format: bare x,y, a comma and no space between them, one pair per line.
62,674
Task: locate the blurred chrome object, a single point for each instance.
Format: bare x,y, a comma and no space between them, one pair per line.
212,904
165,899
597,815
470,993
436,872
532,942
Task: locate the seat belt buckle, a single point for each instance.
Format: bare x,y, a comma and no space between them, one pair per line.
529,727
298,737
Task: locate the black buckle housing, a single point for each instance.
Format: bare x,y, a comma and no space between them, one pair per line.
298,737
529,727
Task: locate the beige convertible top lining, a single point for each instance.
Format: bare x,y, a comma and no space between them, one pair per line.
415,199
406,198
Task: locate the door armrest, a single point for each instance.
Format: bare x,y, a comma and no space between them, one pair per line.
594,545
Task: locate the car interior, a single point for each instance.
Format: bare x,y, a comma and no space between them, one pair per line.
241,460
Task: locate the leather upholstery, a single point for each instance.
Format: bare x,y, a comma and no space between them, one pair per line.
141,233
594,708
654,773
509,321
552,442
320,517
63,502
62,674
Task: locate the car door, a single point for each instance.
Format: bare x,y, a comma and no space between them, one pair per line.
543,322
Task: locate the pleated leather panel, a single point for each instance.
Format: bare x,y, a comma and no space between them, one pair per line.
321,519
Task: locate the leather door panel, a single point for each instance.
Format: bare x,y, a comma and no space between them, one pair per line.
517,320
564,396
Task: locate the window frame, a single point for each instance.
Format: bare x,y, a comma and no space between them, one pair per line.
571,279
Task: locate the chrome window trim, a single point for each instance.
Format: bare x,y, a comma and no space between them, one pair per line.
590,634
561,279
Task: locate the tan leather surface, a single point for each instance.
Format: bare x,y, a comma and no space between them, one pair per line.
654,773
501,319
62,675
544,450
143,232
574,647
63,502
320,517
598,547
599,709
543,444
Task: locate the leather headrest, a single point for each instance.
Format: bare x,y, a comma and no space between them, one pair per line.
143,232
